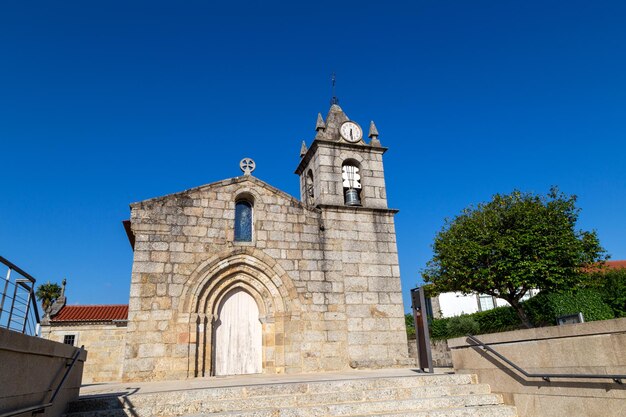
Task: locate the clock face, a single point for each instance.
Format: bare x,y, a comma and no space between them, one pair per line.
351,132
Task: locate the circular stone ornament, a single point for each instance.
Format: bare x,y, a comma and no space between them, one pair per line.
247,165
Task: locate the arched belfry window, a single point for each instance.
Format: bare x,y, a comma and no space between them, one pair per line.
351,181
243,221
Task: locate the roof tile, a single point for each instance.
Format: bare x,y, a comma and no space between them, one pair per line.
92,313
616,264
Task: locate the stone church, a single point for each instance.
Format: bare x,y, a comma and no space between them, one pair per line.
238,277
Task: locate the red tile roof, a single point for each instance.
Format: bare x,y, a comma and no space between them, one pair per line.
616,264
606,266
92,313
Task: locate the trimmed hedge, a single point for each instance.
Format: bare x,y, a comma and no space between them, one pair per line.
461,325
543,310
499,319
439,329
611,285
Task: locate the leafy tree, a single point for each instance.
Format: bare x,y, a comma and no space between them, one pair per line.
512,244
47,293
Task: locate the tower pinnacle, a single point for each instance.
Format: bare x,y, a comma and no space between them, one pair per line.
303,149
320,125
373,134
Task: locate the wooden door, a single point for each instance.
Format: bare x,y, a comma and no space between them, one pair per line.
238,336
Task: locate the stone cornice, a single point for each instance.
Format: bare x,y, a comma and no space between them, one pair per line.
332,144
352,209
230,181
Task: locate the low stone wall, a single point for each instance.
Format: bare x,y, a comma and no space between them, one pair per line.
594,348
439,351
30,366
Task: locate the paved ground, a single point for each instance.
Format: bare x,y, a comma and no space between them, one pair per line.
240,380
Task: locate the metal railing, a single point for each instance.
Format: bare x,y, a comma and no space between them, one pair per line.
546,377
18,306
40,408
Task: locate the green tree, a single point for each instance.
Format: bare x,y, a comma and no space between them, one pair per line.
512,244
47,293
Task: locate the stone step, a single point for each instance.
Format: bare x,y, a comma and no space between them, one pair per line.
366,388
407,395
185,403
478,411
365,408
289,406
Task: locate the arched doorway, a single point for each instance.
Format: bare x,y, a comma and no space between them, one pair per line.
238,335
259,276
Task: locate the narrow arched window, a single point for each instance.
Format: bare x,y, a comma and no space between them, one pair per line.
351,181
310,189
243,221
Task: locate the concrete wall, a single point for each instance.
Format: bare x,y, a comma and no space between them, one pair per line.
105,343
596,348
30,366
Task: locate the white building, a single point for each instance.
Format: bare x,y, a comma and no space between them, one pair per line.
450,304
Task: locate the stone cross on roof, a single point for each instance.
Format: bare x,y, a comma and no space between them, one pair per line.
247,165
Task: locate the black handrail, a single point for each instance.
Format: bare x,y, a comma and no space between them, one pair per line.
546,377
18,269
39,408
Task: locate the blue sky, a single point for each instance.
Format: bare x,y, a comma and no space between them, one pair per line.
107,103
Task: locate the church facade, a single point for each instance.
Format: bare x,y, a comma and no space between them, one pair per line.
238,277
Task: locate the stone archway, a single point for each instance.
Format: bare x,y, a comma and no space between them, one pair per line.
209,288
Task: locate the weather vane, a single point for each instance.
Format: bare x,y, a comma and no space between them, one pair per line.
334,100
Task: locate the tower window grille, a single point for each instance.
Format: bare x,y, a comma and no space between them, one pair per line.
351,180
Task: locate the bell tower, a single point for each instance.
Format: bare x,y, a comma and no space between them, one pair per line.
341,168
342,177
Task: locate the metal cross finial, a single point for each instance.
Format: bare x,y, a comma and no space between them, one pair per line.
247,165
334,100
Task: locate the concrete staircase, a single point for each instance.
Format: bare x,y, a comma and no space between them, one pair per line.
411,395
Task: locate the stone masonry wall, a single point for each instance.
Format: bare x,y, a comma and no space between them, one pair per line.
440,352
105,343
175,235
326,304
360,248
326,160
364,242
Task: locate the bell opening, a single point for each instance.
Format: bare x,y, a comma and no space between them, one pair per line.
351,197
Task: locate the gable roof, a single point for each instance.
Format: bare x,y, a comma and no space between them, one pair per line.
222,183
116,312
